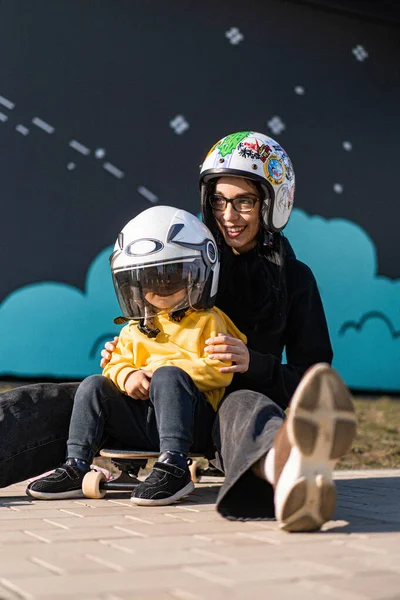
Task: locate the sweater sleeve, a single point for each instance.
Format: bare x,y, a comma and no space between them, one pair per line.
306,339
122,362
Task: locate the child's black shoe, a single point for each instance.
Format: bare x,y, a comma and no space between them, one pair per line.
166,483
65,482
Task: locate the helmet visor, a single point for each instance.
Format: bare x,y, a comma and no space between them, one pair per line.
145,292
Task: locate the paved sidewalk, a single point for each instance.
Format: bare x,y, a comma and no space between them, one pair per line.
114,550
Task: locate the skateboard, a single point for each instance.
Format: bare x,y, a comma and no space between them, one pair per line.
129,462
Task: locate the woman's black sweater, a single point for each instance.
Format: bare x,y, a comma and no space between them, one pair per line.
249,295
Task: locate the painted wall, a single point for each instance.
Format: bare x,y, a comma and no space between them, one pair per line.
106,109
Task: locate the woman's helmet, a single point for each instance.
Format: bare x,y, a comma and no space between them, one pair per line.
164,250
261,159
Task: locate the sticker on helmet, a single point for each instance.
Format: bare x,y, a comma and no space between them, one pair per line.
228,144
283,199
253,148
278,148
274,170
291,196
288,165
213,148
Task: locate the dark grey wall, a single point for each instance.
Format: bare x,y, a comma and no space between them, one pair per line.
113,74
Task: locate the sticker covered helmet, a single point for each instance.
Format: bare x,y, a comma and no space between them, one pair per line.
261,159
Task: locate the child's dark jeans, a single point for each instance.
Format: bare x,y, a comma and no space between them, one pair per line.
176,416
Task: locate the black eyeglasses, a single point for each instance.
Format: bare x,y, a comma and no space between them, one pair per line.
242,204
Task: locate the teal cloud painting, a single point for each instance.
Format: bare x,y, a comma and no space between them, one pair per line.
362,308
55,330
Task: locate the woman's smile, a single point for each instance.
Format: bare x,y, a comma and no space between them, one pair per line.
234,232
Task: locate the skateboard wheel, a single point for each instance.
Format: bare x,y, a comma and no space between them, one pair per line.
194,471
91,484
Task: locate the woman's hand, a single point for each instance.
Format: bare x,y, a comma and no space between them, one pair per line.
226,348
137,384
106,353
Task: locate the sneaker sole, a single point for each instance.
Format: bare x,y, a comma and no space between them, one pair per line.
55,496
164,501
321,427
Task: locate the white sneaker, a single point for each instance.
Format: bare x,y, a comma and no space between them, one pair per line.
320,428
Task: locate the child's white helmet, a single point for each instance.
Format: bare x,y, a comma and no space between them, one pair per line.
261,159
165,250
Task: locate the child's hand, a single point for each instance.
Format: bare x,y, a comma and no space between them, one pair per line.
106,353
137,384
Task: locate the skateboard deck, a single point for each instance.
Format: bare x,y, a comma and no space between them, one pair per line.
128,454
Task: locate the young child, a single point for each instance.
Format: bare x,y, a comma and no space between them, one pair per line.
160,390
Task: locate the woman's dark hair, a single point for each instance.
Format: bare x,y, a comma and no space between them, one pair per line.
252,286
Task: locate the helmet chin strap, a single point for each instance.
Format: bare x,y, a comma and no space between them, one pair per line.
147,325
268,239
147,328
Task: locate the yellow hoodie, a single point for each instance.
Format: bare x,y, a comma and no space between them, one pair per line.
178,344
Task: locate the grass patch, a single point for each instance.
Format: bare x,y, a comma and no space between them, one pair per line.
377,445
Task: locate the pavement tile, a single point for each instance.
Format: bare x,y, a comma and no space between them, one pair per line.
48,587
105,558
21,568
6,594
89,522
291,590
44,551
373,585
172,542
149,595
61,535
329,552
16,537
28,525
167,529
13,515
263,571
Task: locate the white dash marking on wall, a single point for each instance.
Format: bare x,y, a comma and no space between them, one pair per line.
3,117
113,170
43,125
22,129
7,103
71,166
79,147
147,194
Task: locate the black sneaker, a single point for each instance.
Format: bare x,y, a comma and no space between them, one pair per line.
166,484
65,482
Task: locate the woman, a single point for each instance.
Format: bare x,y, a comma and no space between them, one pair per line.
247,188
